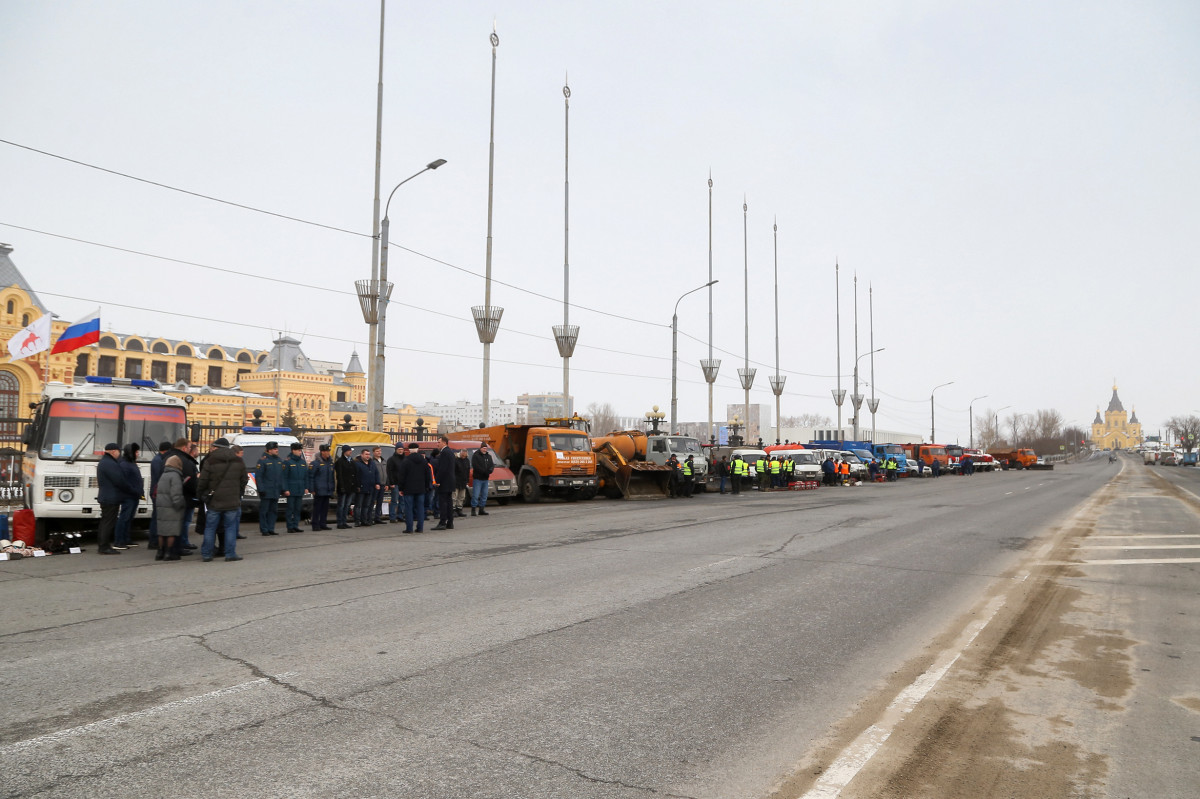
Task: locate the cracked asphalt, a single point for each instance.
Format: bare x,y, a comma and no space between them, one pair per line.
689,648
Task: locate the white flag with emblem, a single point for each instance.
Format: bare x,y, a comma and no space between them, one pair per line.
32,340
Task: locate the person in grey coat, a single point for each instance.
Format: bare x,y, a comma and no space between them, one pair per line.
171,507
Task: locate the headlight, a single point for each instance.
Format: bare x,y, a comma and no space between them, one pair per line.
66,495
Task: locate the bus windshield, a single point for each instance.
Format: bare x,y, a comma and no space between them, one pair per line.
150,425
80,429
565,442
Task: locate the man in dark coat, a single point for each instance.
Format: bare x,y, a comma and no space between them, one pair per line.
268,481
322,484
443,472
114,489
157,464
368,485
189,468
414,480
481,474
396,507
295,484
221,484
346,475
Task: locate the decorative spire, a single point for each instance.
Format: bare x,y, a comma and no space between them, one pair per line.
1097,420
1114,404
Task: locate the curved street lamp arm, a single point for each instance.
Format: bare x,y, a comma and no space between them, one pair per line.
429,166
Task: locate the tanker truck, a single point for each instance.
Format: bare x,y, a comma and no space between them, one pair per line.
632,465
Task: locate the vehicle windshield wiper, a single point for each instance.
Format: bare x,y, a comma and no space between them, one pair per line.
74,456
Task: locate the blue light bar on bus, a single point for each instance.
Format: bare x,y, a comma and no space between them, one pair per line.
266,429
120,381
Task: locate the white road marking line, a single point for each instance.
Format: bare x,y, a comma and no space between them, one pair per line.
863,748
1006,493
1122,562
1143,535
71,732
1138,546
710,565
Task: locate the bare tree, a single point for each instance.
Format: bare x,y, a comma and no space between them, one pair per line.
1047,424
806,420
987,430
1016,428
1186,429
603,416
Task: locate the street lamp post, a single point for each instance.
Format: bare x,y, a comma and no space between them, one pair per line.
675,354
487,316
373,297
873,402
856,398
932,426
971,419
1005,408
566,334
710,365
746,374
839,393
778,380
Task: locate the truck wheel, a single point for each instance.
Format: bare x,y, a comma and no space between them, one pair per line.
587,493
530,490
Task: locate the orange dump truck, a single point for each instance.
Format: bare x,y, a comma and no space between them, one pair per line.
623,468
545,460
1015,458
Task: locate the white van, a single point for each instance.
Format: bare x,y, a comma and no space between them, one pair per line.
253,441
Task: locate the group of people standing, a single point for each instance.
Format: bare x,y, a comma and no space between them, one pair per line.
179,487
182,487
415,484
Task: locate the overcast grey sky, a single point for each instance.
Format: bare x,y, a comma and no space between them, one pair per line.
1017,181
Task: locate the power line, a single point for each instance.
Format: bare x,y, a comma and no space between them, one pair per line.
282,281
185,191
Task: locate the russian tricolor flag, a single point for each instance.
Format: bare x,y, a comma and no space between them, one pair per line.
82,333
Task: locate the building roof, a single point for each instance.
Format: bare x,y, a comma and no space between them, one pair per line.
1098,420
286,356
11,276
354,365
1114,404
1133,418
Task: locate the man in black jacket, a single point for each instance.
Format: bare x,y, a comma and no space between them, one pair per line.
191,470
481,473
414,481
443,472
345,474
396,506
114,489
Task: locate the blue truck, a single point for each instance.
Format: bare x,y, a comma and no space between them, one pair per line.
866,451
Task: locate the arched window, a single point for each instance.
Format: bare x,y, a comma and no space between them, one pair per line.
12,307
244,357
108,342
183,349
134,345
215,354
262,357
10,395
161,346
24,320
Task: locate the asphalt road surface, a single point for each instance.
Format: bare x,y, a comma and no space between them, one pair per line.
719,647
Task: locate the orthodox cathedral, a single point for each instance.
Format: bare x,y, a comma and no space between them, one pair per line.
1115,431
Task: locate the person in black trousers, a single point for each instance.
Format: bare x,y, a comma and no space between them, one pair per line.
443,472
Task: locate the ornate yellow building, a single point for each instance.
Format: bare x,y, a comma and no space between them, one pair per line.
1115,431
226,384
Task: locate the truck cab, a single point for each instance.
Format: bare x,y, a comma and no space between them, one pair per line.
660,448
